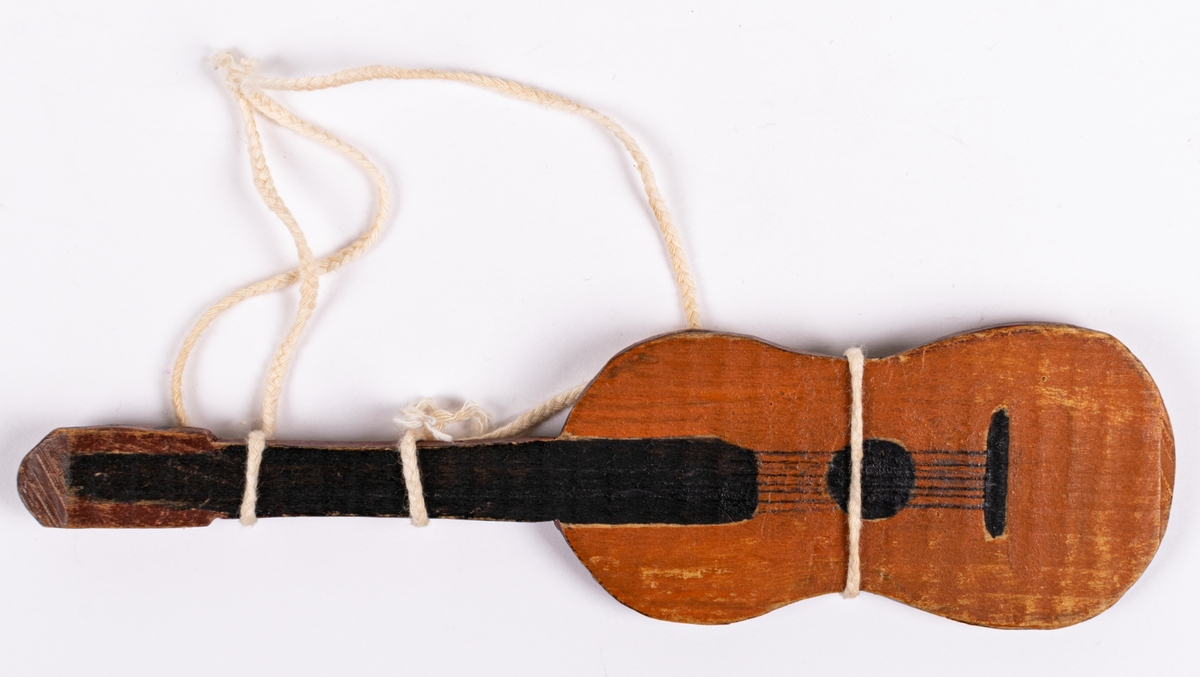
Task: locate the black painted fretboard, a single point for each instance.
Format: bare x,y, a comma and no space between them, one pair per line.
579,481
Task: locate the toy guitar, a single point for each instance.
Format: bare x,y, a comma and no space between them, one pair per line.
1013,477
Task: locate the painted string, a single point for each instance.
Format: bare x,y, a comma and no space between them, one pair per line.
423,421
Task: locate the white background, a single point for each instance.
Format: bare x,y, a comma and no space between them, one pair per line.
841,173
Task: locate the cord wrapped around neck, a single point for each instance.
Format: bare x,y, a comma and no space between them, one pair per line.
248,89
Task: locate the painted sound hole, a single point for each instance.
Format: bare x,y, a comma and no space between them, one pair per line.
888,477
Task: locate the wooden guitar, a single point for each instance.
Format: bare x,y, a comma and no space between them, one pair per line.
1013,477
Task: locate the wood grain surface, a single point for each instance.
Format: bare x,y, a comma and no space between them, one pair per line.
1090,475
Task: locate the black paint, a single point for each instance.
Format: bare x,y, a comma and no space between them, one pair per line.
587,481
888,478
995,477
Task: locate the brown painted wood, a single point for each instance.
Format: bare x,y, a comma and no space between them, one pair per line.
1089,480
42,480
1091,471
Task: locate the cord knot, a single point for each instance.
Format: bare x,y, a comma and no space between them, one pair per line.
422,421
237,71
425,420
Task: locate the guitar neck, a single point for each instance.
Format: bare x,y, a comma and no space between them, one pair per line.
130,477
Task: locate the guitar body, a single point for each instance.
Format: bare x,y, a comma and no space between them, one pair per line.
1034,466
